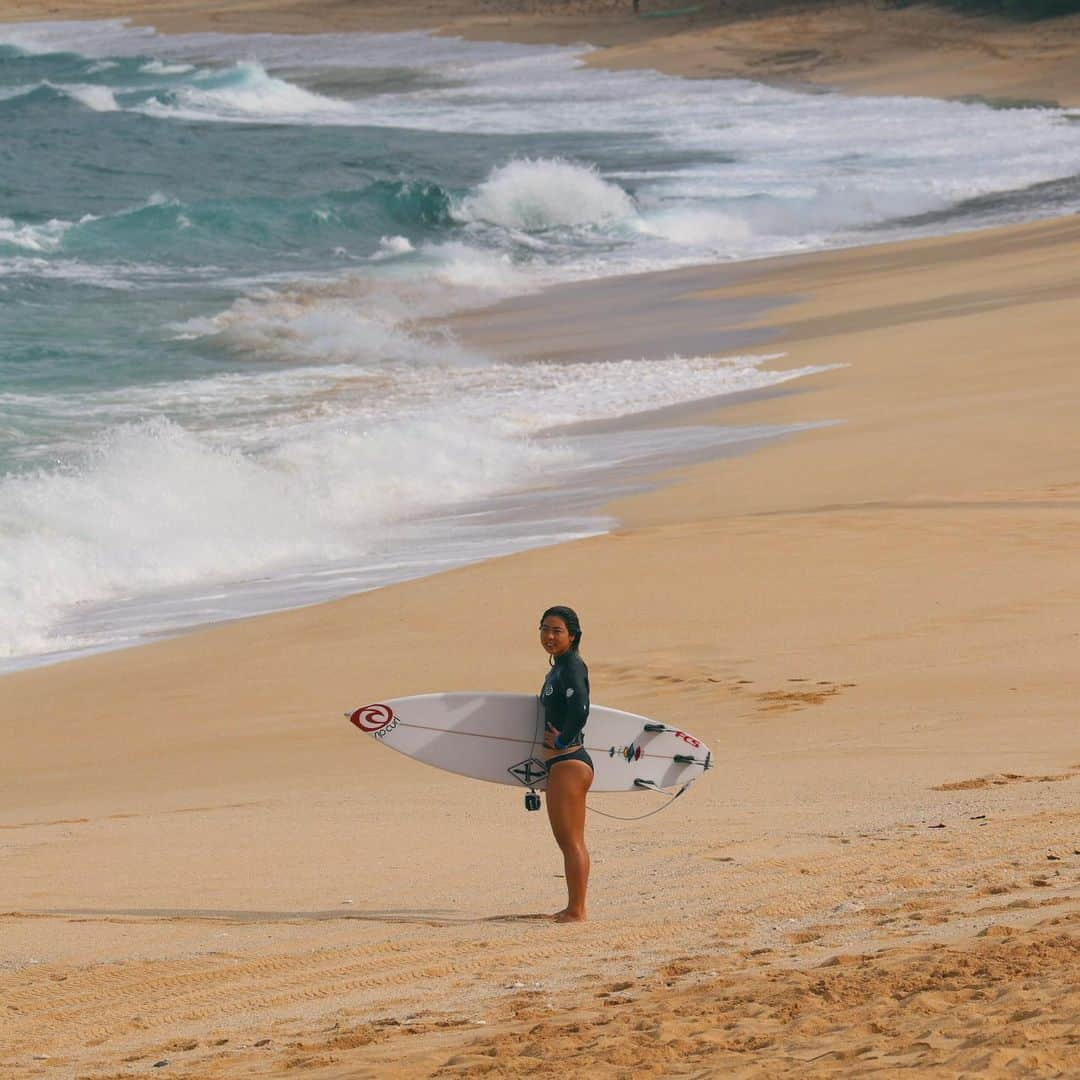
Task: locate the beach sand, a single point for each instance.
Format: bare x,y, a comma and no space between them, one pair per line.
860,46
872,623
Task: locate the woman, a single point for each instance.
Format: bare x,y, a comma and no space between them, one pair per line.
564,697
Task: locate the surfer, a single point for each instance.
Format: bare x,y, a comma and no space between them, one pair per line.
564,697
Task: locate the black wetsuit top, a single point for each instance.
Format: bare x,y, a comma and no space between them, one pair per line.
564,697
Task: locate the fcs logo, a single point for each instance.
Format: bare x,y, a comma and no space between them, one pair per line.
688,739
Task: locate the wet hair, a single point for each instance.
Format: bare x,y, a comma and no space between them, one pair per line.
573,624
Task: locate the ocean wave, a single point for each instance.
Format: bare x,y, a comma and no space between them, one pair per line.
369,186
410,202
312,471
724,232
155,506
46,236
160,67
465,276
124,276
52,236
245,92
169,228
304,326
100,99
13,93
96,98
13,99
97,38
363,319
392,246
370,318
542,194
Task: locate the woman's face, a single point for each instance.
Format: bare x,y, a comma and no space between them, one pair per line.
554,636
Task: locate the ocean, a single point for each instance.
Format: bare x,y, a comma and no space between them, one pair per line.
224,384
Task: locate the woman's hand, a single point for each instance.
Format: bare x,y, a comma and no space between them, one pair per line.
549,736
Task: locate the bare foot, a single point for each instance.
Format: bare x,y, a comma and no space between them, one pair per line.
566,915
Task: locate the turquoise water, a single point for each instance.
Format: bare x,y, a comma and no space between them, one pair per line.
222,262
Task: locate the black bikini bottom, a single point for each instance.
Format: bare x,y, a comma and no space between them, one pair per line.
578,754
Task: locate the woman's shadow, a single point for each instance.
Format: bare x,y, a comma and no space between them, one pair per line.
418,916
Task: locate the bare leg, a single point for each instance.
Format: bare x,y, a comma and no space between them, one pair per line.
568,783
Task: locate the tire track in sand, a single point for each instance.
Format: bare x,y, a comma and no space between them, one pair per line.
64,1011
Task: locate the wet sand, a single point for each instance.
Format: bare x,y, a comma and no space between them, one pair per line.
859,46
872,623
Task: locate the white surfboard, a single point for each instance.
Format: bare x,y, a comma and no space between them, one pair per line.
499,738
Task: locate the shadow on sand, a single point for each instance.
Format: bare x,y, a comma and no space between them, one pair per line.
419,916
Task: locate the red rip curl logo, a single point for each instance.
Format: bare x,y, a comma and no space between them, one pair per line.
372,718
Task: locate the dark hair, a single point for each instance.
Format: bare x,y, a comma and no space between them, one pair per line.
573,624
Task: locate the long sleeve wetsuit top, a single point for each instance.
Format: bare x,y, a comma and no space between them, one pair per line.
564,698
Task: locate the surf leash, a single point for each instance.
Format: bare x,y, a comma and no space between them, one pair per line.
532,799
641,817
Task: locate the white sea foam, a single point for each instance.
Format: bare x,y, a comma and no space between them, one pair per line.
345,415
158,505
245,93
121,38
306,326
97,98
45,237
355,319
724,233
802,166
541,194
49,236
97,38
10,93
126,276
369,319
159,67
389,246
472,276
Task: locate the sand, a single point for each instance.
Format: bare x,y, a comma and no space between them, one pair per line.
860,46
872,622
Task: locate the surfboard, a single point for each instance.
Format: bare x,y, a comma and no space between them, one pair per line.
499,738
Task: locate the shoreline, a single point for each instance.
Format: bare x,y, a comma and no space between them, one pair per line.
618,479
851,46
872,624
766,291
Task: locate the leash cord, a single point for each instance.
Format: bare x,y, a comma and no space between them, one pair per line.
641,817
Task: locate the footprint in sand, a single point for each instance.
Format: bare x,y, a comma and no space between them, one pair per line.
1000,780
791,700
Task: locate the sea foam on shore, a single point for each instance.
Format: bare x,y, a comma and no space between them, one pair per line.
228,256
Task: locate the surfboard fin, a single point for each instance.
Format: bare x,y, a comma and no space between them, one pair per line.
639,782
687,759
